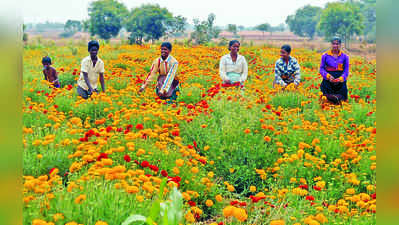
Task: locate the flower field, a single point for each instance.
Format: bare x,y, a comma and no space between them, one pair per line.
253,156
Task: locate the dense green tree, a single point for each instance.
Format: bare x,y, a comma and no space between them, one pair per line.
106,18
150,22
341,19
304,22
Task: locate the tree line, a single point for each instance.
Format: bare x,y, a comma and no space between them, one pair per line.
149,22
346,19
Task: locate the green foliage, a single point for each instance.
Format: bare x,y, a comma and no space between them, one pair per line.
106,18
148,22
204,31
341,19
232,28
169,212
304,22
263,27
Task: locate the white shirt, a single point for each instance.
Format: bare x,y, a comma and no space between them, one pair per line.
239,66
92,72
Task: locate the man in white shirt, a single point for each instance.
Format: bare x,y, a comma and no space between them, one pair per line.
92,67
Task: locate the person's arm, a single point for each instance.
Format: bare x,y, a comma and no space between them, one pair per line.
55,76
346,69
297,73
244,71
45,75
323,71
169,78
222,70
102,82
277,76
86,78
102,77
151,75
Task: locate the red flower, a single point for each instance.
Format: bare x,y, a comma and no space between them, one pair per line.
137,162
310,198
139,126
145,164
192,203
102,156
234,202
164,173
154,168
317,188
127,158
304,186
195,144
52,169
268,107
256,199
374,196
203,161
56,106
69,87
175,133
243,204
190,146
108,129
221,223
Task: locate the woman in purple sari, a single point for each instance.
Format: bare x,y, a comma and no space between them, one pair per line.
334,68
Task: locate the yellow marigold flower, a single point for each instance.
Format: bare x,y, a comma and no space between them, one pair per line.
106,162
39,222
194,170
228,211
277,222
206,148
39,156
58,216
350,191
321,218
132,189
209,203
240,214
101,223
189,217
80,198
179,162
231,188
139,198
267,138
231,170
252,188
219,198
176,170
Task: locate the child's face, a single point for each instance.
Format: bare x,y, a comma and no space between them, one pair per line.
93,51
46,65
164,52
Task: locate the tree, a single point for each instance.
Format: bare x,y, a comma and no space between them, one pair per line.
106,18
232,28
177,26
341,19
263,27
368,7
204,31
150,22
73,26
305,20
24,35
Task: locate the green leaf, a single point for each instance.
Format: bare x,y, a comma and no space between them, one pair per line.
134,218
155,209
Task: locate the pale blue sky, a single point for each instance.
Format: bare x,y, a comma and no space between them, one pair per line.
240,12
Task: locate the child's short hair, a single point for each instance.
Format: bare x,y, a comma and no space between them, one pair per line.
46,59
93,43
168,45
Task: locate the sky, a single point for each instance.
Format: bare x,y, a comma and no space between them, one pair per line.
241,12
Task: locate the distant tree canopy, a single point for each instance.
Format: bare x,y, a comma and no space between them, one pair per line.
232,28
341,19
204,31
106,18
304,22
263,27
150,22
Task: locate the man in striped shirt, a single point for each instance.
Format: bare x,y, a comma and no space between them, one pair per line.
166,66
